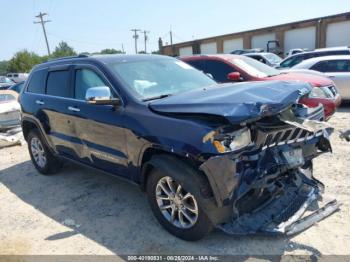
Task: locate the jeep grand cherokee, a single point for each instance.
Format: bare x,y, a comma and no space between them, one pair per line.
207,155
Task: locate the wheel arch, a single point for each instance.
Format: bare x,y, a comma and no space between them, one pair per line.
29,124
167,161
185,172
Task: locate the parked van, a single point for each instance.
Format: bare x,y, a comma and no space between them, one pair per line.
17,77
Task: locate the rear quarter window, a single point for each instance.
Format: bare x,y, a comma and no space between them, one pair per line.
37,82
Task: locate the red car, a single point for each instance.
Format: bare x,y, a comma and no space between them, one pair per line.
232,68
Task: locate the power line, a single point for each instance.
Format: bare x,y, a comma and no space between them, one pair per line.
145,38
180,38
43,22
84,41
135,36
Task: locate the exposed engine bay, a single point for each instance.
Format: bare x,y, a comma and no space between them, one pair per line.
269,182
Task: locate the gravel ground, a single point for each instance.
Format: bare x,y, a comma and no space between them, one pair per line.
79,211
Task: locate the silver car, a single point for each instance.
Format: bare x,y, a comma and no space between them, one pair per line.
270,59
335,67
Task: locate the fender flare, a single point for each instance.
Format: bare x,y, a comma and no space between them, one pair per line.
40,128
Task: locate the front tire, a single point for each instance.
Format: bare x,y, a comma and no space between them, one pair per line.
176,208
44,161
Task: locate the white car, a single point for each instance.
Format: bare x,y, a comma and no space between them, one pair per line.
10,119
296,51
10,110
303,71
270,59
335,67
295,59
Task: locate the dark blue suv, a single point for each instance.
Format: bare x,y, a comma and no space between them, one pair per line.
233,156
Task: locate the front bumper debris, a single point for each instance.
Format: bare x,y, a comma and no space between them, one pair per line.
284,215
11,137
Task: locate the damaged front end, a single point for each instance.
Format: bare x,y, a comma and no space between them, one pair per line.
10,119
264,172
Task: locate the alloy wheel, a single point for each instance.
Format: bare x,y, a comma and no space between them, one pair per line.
38,152
177,206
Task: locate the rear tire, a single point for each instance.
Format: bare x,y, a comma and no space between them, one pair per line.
44,161
183,206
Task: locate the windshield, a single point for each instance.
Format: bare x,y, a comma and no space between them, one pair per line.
254,67
158,78
273,58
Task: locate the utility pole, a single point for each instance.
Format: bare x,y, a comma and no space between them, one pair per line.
135,36
171,42
145,39
171,37
43,22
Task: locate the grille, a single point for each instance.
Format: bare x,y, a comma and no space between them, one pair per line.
333,90
284,136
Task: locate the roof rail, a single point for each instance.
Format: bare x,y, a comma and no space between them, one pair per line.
68,57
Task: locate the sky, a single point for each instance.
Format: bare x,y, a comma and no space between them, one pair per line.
93,25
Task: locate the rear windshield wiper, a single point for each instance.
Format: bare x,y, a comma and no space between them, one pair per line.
156,97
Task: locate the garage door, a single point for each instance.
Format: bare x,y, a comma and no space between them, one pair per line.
338,34
233,44
300,38
185,51
260,41
208,48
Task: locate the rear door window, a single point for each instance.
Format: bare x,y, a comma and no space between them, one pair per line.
37,82
58,84
333,66
199,64
337,52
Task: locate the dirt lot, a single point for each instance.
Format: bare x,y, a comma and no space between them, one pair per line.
80,211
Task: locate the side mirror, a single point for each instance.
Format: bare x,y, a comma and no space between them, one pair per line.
100,95
210,75
234,76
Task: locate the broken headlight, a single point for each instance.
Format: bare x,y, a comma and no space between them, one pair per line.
232,141
320,92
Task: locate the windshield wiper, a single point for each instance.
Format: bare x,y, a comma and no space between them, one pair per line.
156,97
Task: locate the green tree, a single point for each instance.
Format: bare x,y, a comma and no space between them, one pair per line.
23,61
111,51
3,67
63,49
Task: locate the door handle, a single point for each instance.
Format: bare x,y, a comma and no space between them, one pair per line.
74,109
39,102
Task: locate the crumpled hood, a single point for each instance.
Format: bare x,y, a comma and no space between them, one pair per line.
236,102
